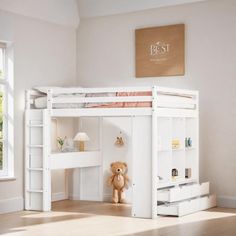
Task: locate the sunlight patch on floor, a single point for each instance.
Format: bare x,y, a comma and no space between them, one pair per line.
48,214
108,225
72,223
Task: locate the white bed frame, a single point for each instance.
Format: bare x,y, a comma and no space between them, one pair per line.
39,161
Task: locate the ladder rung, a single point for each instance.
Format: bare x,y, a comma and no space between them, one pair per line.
35,146
34,156
35,169
35,191
36,126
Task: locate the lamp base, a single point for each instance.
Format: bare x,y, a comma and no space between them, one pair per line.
81,146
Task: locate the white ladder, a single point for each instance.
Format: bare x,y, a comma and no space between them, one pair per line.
37,169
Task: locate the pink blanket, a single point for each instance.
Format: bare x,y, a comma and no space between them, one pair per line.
125,104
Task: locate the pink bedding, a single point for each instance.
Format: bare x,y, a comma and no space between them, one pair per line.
125,104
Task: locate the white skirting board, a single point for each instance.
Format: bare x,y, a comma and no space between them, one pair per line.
88,198
74,197
11,205
59,196
107,197
226,201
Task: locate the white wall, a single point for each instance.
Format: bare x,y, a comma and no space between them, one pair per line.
45,54
111,128
106,58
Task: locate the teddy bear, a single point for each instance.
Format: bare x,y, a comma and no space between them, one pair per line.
119,181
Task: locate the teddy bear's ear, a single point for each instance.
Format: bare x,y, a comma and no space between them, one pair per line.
124,163
111,164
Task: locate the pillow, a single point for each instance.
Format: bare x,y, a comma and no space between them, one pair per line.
44,89
40,102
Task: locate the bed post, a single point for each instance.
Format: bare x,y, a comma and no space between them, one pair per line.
197,140
101,153
49,99
46,160
154,152
47,152
27,99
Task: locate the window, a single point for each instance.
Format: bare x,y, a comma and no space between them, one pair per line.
6,111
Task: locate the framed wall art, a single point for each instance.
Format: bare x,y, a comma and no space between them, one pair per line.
160,51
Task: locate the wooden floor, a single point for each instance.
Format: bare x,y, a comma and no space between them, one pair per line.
103,219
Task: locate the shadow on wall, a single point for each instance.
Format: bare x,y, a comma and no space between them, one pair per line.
112,128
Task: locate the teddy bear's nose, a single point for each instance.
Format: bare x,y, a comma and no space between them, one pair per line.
118,170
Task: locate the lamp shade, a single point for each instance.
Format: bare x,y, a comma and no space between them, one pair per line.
81,136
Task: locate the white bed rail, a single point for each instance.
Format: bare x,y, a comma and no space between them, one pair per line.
102,99
160,90
166,97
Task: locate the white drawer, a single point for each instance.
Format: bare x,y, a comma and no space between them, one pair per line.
187,207
183,192
207,202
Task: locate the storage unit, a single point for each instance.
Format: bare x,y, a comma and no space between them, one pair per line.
163,146
183,192
178,189
177,157
185,199
187,207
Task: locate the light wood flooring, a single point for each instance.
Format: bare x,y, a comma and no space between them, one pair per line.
105,219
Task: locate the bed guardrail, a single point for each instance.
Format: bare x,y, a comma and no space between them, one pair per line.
166,97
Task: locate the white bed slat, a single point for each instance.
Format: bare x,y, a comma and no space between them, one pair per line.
178,92
101,99
101,112
160,90
99,90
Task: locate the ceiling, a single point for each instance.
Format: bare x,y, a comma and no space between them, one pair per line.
63,12
69,12
94,8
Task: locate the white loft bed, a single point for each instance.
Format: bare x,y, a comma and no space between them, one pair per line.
158,115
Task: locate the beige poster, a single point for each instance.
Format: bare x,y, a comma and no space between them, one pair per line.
160,51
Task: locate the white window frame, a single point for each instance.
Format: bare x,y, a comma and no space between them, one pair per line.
7,170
